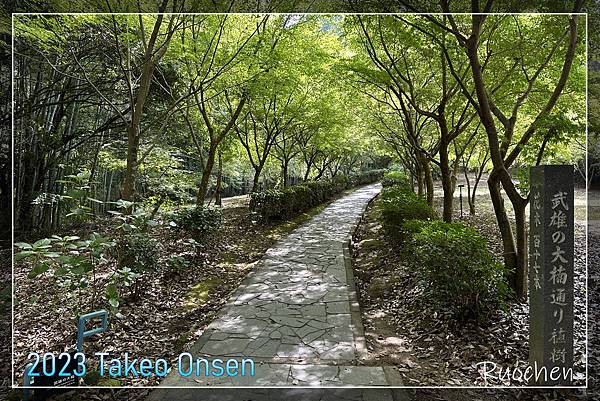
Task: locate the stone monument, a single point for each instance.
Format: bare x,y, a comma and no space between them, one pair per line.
551,257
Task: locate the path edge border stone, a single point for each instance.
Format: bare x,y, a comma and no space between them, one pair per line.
357,326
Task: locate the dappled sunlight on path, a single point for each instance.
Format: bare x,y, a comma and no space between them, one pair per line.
296,314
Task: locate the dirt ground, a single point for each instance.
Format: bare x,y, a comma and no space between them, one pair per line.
171,309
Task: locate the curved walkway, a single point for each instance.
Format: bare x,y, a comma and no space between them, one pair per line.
296,315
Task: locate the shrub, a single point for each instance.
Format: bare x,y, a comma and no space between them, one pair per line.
137,252
396,178
202,222
177,263
321,191
365,177
340,182
138,220
456,267
411,227
70,260
77,197
288,202
399,204
301,197
269,203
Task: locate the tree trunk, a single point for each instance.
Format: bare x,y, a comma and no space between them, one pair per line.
428,180
258,168
157,206
206,172
107,198
133,142
515,254
256,179
470,199
472,207
511,260
470,193
475,185
284,172
446,182
307,173
219,182
420,179
519,277
31,175
25,216
454,175
151,58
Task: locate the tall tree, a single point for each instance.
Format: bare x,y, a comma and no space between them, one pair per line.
219,53
396,49
261,127
535,55
138,85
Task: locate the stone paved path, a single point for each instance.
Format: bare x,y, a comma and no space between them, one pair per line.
296,303
286,394
296,314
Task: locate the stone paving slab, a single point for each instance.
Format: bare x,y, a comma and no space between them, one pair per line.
287,394
283,374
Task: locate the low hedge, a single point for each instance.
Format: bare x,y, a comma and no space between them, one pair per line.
458,271
396,178
288,202
451,260
400,204
365,177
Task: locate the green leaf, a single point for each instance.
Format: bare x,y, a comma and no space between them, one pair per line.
23,255
111,291
95,200
23,245
42,244
83,244
78,270
88,267
123,204
37,270
61,271
114,302
65,259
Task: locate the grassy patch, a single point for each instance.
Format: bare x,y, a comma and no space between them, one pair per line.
199,293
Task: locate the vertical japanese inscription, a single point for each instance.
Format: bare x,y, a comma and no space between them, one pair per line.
551,258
